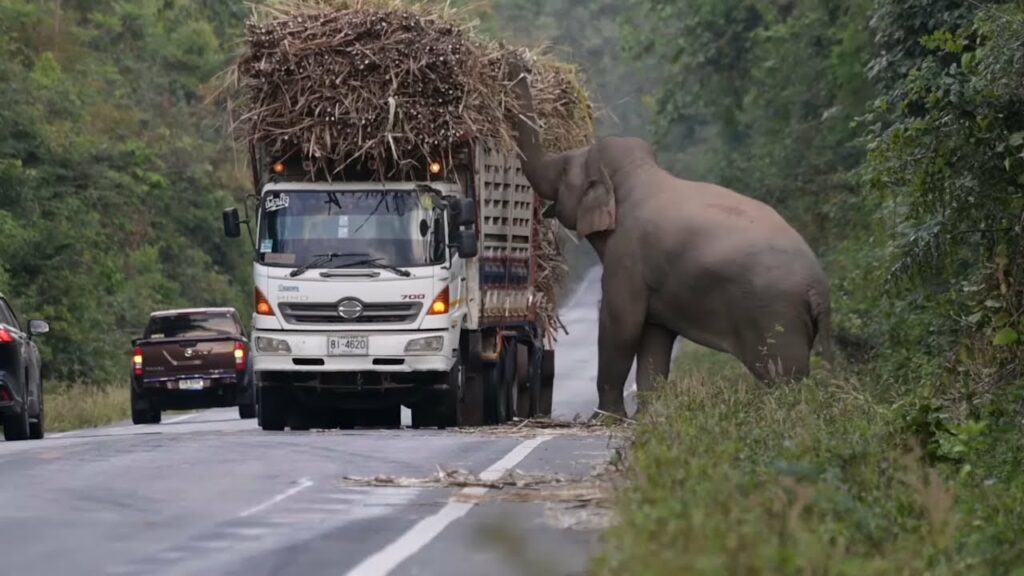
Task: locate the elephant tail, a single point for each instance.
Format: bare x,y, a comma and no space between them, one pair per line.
821,317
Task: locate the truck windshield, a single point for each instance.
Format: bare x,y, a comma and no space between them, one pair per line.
403,228
191,326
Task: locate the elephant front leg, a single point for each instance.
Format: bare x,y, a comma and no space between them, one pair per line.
653,361
617,342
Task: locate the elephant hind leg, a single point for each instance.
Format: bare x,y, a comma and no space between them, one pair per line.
653,360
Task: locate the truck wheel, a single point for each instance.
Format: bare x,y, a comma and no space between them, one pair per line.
16,426
473,400
547,382
522,382
495,393
272,408
300,418
449,405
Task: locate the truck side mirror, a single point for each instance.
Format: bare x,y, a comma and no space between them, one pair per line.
232,223
467,244
465,212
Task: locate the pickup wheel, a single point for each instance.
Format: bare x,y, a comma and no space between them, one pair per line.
272,408
247,411
16,426
142,410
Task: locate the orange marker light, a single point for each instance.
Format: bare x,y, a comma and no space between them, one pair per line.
263,307
435,167
278,168
440,304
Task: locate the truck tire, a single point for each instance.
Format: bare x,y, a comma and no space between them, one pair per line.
497,380
471,399
535,378
524,392
272,407
16,426
547,383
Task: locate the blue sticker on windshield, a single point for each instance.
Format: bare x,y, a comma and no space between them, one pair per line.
267,245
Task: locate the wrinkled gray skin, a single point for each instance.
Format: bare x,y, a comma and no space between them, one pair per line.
680,258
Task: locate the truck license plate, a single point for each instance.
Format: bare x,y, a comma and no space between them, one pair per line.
348,345
193,384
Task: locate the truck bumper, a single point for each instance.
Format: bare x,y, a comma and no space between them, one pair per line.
386,352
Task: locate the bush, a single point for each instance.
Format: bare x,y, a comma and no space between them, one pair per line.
825,477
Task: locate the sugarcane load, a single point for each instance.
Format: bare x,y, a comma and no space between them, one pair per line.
400,254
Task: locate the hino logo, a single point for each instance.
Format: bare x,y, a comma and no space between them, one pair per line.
350,309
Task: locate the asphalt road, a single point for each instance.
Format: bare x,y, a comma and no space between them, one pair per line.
209,494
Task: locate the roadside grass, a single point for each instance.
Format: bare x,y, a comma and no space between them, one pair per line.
725,476
74,406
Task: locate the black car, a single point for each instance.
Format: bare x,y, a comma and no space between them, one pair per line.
21,382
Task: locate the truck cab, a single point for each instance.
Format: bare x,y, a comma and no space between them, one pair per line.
366,298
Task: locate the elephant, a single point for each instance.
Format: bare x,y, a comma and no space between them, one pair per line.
681,259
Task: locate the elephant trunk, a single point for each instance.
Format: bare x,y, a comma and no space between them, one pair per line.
543,170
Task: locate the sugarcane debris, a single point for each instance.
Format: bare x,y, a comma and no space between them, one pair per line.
514,486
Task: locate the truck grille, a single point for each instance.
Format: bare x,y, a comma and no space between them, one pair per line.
372,313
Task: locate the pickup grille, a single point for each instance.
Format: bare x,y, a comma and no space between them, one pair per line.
373,313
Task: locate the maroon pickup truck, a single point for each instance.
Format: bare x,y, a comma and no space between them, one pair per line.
191,359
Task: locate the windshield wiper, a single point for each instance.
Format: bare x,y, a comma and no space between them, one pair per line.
320,259
376,263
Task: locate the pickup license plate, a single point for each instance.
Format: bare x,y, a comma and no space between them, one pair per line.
192,384
348,345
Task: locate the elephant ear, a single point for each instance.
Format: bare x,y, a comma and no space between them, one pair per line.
596,211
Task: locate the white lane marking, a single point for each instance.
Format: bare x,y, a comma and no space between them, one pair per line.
182,418
302,485
388,558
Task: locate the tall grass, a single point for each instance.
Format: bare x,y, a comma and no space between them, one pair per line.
74,406
728,477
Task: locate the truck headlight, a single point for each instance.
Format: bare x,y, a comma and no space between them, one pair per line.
272,345
429,344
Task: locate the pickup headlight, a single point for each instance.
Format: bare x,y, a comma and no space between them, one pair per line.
430,344
272,345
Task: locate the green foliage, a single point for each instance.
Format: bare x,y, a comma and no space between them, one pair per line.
727,477
891,134
765,94
112,174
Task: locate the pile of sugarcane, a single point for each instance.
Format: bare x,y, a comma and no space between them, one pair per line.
391,87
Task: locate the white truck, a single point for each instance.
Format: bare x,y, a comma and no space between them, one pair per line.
370,294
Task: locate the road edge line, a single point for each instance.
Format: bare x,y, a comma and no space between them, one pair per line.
423,532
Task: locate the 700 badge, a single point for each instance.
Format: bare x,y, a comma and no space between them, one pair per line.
348,345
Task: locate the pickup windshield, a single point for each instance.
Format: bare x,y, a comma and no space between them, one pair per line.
193,325
403,228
